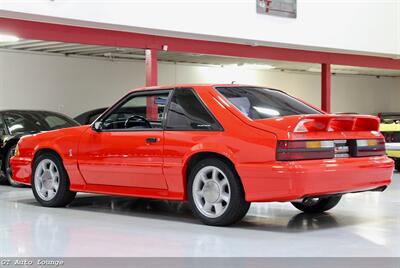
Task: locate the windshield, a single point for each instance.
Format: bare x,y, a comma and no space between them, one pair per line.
35,121
262,103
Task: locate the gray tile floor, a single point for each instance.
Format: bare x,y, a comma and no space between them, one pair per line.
366,224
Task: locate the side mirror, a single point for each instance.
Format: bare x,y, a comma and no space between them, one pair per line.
97,126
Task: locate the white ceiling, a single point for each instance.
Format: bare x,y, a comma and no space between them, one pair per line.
119,53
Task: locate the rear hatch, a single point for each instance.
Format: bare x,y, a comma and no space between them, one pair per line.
325,136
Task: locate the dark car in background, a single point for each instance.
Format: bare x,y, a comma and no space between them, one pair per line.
17,123
88,117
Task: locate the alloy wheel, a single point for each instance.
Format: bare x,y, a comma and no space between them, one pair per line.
47,179
211,191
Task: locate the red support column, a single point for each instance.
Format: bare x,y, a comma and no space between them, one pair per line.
151,80
326,87
151,67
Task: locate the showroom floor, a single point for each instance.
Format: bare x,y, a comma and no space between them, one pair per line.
366,224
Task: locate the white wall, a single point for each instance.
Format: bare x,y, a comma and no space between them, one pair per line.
361,26
74,85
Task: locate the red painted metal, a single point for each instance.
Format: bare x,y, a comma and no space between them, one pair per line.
84,35
326,87
123,163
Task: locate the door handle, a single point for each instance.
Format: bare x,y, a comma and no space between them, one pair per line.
152,140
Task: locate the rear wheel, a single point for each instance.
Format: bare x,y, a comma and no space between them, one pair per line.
317,205
50,183
216,194
7,165
397,164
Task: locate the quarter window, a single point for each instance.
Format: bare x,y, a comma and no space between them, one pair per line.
187,112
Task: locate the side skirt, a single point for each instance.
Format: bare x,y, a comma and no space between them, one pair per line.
128,191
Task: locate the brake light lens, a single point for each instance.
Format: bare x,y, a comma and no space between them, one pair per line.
305,150
370,147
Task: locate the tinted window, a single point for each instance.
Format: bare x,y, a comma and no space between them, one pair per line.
56,122
138,112
93,117
35,121
2,130
261,103
17,123
186,112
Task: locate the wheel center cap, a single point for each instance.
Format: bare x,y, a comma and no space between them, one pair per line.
211,192
47,179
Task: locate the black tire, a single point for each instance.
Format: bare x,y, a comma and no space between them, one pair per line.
63,195
236,208
318,206
397,164
3,178
7,167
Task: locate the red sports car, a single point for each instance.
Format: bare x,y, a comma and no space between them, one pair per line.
220,147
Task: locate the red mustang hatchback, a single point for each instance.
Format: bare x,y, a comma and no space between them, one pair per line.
220,147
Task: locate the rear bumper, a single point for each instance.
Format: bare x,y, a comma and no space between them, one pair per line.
286,181
21,169
393,149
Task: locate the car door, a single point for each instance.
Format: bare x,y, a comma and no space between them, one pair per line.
128,148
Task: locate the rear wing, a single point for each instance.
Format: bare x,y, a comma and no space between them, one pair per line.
314,124
335,123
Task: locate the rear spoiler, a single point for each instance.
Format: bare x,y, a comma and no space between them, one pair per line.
323,123
334,123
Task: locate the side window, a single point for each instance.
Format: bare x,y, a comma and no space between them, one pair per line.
138,112
18,124
56,122
186,112
2,129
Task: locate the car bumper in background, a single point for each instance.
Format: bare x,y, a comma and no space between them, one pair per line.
286,181
393,149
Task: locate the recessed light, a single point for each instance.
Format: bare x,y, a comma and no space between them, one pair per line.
8,38
259,66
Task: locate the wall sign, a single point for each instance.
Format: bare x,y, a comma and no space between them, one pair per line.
282,8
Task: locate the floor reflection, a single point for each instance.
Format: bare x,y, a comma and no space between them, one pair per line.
96,225
181,211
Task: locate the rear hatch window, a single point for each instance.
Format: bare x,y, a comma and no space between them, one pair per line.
262,103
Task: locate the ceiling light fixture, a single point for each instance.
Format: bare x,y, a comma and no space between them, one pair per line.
334,70
259,66
8,38
249,66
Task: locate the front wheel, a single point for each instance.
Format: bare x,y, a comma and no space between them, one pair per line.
50,183
317,205
216,193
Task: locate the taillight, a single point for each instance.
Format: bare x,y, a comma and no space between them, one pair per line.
370,147
305,150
